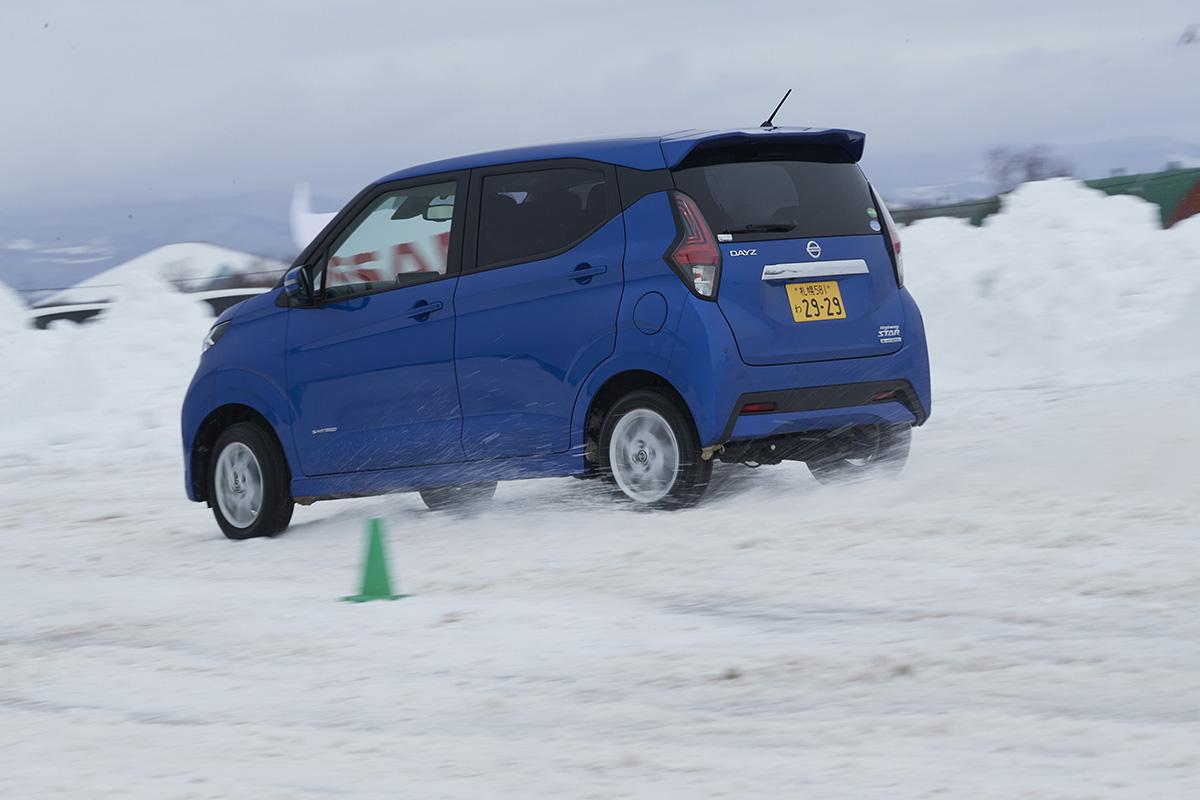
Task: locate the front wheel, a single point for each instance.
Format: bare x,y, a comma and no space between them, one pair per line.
650,449
248,484
863,452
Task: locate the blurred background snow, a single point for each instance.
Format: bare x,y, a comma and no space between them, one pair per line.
1014,616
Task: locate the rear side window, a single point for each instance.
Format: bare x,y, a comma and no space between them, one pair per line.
526,216
781,199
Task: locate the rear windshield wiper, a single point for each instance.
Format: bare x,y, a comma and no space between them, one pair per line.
771,227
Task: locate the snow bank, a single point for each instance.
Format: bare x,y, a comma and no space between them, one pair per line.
190,266
1050,285
1053,288
12,314
95,394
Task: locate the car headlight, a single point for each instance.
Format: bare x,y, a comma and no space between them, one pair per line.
214,335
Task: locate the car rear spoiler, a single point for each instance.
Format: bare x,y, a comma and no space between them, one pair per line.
678,146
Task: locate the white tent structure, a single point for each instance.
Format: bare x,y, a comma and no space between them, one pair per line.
306,223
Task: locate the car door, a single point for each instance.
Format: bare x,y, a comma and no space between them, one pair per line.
536,309
370,364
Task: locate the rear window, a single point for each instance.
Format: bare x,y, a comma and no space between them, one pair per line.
781,199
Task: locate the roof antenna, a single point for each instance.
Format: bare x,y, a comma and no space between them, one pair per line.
769,122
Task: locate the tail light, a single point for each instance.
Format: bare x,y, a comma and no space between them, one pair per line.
893,237
695,254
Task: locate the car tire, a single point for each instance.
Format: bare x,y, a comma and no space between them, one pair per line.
868,451
249,486
649,448
443,498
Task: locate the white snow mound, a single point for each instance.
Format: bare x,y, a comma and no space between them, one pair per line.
188,266
1050,283
12,313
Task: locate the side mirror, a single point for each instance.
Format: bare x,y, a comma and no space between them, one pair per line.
297,284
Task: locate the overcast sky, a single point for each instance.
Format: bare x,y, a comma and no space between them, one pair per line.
165,99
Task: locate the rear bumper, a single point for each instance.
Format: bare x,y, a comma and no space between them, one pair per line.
825,408
809,396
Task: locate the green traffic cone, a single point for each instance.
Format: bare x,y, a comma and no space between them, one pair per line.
375,583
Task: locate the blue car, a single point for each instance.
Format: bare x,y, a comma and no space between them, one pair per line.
629,310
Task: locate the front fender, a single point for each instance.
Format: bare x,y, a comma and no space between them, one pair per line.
236,386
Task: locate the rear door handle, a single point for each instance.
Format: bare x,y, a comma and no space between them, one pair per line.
422,310
585,272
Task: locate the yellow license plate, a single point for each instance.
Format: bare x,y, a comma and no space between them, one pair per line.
816,301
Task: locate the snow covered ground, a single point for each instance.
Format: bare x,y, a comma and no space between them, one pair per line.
1015,617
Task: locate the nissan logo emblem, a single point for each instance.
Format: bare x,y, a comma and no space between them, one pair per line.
814,249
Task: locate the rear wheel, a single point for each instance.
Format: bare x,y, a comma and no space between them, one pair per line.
863,452
248,484
650,449
447,497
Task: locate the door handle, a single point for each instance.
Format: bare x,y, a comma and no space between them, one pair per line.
422,310
585,272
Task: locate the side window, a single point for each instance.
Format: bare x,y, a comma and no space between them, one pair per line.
524,216
404,232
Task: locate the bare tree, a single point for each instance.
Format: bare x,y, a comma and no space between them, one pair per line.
1008,167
